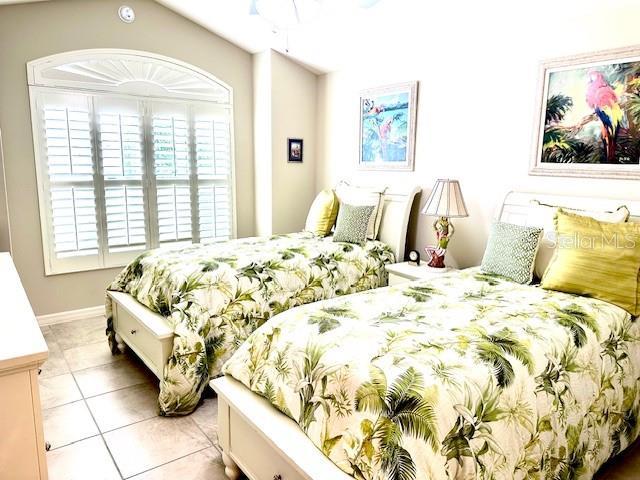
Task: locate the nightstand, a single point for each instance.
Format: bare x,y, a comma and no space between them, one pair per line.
405,272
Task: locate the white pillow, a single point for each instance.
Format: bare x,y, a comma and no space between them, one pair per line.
359,196
543,217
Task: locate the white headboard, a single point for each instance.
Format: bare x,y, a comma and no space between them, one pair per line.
395,218
518,207
398,201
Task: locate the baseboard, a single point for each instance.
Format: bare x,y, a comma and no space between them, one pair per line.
71,315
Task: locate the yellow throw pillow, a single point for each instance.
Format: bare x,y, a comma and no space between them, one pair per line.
596,259
322,214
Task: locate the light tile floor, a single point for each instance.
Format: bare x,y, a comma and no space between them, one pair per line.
100,415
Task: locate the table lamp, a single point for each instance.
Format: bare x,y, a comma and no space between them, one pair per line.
445,202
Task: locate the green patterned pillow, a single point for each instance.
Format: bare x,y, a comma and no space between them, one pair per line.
511,251
352,223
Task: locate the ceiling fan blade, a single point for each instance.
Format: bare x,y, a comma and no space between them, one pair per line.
367,3
295,9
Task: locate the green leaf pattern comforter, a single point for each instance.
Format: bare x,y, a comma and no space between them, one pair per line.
214,296
466,376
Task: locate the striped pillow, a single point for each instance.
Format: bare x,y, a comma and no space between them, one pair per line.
596,259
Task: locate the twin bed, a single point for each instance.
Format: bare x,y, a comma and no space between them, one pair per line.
184,312
464,376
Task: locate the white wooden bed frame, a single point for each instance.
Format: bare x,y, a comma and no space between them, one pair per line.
151,338
264,444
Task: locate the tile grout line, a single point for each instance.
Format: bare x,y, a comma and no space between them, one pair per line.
104,442
61,351
101,434
71,372
127,425
120,355
75,441
167,463
202,431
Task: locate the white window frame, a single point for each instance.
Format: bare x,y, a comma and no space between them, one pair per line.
56,74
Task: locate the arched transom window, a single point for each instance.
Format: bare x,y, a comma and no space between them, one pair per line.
133,151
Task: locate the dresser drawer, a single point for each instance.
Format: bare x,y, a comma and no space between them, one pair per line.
257,457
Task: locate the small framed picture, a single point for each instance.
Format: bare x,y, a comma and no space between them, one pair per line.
295,150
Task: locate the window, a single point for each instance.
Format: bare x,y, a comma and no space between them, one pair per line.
130,166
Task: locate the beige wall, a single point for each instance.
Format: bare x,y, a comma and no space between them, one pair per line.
284,107
32,31
477,94
293,116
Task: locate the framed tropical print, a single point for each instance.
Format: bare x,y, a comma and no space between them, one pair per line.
588,124
388,127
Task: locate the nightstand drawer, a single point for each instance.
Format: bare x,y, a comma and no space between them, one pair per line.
397,279
406,272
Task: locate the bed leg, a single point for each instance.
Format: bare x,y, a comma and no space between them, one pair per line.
120,343
231,470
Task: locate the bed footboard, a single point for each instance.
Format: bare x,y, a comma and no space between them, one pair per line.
262,442
142,330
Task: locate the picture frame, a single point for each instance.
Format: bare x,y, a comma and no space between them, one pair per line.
295,149
387,132
588,117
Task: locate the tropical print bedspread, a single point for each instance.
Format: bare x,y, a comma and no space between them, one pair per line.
466,376
215,295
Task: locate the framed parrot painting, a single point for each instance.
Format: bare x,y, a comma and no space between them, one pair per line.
589,121
387,127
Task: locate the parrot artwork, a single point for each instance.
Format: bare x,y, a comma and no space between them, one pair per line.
603,99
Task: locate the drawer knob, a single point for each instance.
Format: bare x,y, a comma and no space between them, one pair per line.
133,331
277,477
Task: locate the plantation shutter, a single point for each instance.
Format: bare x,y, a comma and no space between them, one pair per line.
171,163
68,171
212,147
121,152
120,174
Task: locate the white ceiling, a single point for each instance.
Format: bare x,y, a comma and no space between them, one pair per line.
340,30
343,33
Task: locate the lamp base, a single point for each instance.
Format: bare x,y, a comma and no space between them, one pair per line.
435,257
444,231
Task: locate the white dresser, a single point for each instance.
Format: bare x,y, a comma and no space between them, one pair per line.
22,352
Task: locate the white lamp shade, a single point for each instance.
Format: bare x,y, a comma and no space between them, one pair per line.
445,200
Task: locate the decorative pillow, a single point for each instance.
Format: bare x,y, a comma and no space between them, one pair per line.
596,259
544,216
511,251
352,224
364,196
322,214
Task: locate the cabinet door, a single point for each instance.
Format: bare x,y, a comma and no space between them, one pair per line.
19,455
